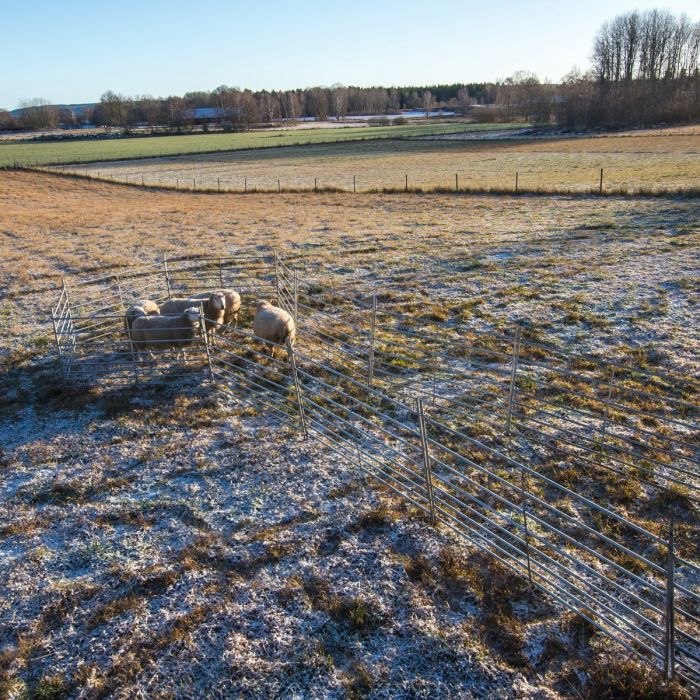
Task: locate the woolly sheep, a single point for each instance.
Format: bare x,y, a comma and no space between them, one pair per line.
273,325
143,307
213,303
232,301
173,331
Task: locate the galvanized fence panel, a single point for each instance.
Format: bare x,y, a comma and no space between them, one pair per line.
508,441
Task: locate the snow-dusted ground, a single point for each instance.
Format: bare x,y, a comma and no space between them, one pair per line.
144,553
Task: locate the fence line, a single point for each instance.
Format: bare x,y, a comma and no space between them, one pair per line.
215,184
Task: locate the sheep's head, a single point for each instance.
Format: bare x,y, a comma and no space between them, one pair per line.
192,314
262,304
217,301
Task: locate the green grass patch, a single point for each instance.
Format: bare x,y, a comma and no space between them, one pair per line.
91,150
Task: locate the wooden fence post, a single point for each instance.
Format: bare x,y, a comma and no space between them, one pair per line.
428,474
405,188
354,185
293,364
516,183
514,370
600,185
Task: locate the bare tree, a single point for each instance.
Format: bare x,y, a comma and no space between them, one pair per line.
427,102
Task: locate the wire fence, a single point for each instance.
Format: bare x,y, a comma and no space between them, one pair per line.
581,474
544,180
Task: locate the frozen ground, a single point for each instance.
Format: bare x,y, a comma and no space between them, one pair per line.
175,544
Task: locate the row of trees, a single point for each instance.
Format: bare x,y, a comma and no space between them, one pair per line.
645,69
519,97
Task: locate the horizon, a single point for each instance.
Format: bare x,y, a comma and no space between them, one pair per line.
291,47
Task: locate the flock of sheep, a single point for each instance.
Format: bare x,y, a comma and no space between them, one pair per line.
176,322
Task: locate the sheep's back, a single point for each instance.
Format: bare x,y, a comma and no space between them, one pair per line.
273,324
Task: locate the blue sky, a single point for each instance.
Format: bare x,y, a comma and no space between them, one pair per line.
73,51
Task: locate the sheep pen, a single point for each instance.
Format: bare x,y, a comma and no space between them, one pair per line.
484,432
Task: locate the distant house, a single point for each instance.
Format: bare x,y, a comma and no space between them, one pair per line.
206,115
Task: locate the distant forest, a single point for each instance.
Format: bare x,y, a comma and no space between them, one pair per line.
645,70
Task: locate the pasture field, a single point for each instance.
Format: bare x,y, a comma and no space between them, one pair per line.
180,544
151,146
631,163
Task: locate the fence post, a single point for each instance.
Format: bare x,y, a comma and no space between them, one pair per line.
606,415
295,376
279,187
456,182
527,534
600,186
277,277
670,635
119,289
296,296
370,369
167,276
58,347
70,315
426,460
218,184
514,370
245,184
516,183
205,337
405,188
354,186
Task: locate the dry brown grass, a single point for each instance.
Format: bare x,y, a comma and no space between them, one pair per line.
633,162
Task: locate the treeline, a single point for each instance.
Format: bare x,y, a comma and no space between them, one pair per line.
645,70
519,97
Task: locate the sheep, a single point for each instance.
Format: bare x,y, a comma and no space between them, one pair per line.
232,304
213,304
273,325
175,331
143,307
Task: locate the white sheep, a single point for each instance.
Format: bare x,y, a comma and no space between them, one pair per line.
232,300
273,325
213,304
172,331
143,307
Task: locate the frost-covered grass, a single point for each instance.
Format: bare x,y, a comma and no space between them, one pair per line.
179,543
